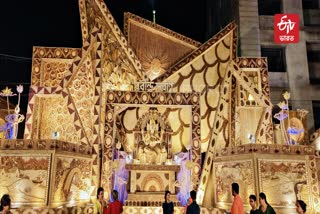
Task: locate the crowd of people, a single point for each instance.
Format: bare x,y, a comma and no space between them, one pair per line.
264,208
237,206
101,206
191,208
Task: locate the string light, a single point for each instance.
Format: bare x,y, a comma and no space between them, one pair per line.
14,58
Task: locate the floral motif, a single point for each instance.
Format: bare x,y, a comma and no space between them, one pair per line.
20,88
286,95
7,92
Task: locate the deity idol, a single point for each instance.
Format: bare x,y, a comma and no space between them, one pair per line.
152,150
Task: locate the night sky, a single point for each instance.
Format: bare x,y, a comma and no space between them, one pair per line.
57,24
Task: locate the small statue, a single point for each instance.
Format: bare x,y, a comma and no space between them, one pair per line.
151,150
13,120
152,137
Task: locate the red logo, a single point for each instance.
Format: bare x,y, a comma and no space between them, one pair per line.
286,28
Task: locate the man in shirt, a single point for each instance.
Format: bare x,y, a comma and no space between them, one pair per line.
237,205
193,208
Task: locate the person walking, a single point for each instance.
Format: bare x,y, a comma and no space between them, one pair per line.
265,207
253,204
193,208
188,203
116,206
100,204
167,206
237,205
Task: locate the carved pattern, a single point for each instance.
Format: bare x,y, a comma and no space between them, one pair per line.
85,209
50,65
54,72
205,75
265,124
120,53
147,98
54,117
262,64
36,144
228,172
314,180
204,47
290,176
146,23
153,45
180,129
220,123
72,177
83,20
275,149
81,90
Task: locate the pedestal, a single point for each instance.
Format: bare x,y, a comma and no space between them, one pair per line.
149,182
152,178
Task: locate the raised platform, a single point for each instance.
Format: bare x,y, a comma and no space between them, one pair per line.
153,167
152,178
88,209
149,199
158,210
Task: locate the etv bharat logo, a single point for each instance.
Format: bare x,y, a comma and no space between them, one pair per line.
286,28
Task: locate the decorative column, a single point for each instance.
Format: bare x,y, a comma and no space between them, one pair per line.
168,135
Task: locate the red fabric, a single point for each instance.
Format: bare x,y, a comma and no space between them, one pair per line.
113,208
237,206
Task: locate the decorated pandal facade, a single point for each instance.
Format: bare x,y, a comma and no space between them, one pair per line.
136,112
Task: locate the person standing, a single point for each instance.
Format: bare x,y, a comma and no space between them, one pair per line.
253,204
193,208
5,204
301,207
167,206
100,204
237,205
265,208
116,206
188,203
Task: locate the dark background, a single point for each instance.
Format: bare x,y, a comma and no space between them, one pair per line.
25,24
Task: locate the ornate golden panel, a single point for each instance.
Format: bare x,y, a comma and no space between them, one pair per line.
288,177
81,89
250,116
256,72
228,172
41,173
25,176
72,180
119,64
53,71
119,98
51,65
203,71
177,117
157,47
53,116
284,173
258,67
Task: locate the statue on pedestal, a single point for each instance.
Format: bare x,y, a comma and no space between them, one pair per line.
11,127
151,145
